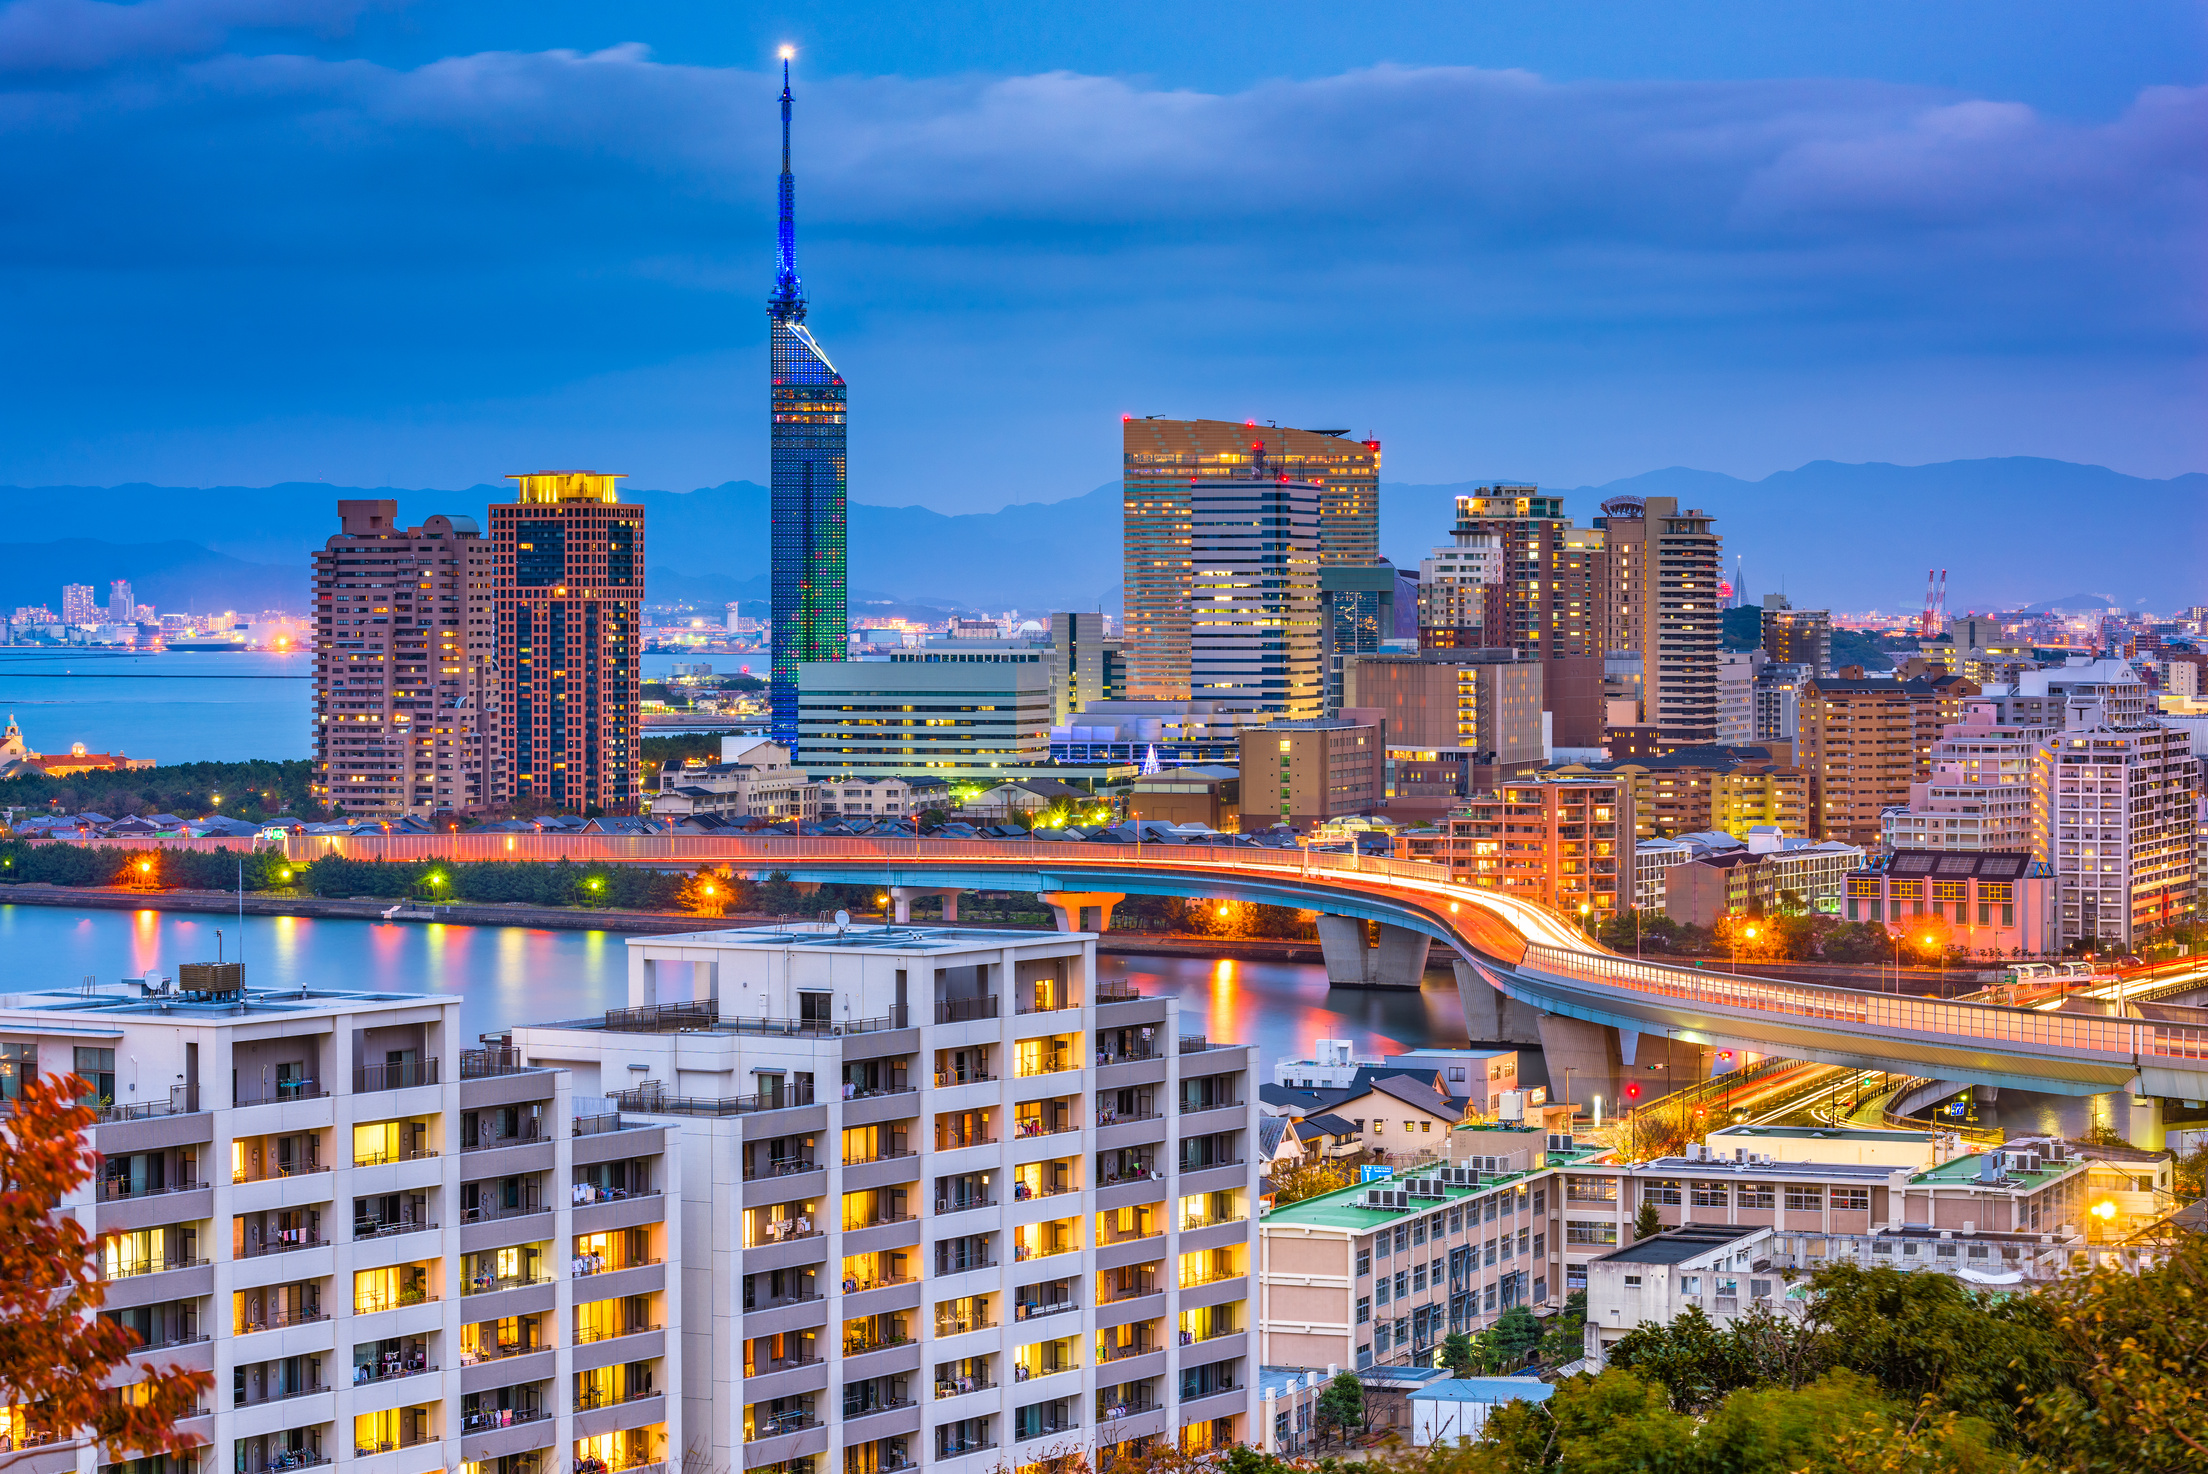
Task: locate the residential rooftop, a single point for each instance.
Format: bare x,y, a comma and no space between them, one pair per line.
1678,1245
1827,1133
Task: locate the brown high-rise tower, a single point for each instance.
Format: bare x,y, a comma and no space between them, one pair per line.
570,591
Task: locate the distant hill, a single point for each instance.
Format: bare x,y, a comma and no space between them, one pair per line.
2010,532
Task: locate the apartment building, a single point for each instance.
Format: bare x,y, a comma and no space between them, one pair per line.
1736,694
406,694
1453,582
1564,842
1799,637
2118,825
1979,793
1662,567
1305,773
1769,872
1698,788
1778,703
2002,902
393,1254
1864,742
954,1200
755,778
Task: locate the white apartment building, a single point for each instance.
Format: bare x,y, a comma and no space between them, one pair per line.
755,778
1736,694
1452,580
2117,821
1979,795
394,1254
950,1199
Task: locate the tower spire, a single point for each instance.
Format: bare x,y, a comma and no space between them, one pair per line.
788,302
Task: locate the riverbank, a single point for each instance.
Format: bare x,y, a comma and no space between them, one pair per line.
576,918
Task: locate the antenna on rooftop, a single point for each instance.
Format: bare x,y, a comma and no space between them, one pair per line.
843,922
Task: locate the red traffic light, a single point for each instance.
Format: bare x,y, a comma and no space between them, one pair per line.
1632,1092
1724,1054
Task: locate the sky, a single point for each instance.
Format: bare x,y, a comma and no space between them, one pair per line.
427,244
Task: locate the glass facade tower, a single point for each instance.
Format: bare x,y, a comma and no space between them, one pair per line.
808,573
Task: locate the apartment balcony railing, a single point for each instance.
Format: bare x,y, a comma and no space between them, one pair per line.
1194,1281
488,1141
183,1101
1208,1166
960,1386
1190,1106
154,1264
766,1366
850,1413
278,1320
120,1190
384,1159
704,1013
283,1241
649,1100
588,1336
1025,1129
1111,1117
875,1220
955,1450
960,1143
944,1079
585,1401
371,1304
1107,1410
491,1212
1021,1253
256,1399
860,1345
1111,1353
384,1230
392,1371
488,1064
283,1463
585,1265
1047,1006
1127,1056
964,1010
960,1325
796,1421
188,1336
1147,1172
785,1167
1022,1310
499,1417
275,1091
270,1174
961,1205
403,1076
1117,992
859,1284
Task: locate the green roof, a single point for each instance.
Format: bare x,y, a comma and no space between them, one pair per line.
1965,1169
1338,1209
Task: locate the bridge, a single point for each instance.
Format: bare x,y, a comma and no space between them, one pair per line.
1524,973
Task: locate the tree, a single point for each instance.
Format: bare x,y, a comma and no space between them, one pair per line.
1296,1178
1692,1360
1342,1404
1565,1340
706,893
57,1357
1458,1354
1514,1337
1647,1223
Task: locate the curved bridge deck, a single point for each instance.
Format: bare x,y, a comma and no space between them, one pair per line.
1526,951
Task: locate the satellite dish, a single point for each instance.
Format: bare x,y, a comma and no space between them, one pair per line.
843,921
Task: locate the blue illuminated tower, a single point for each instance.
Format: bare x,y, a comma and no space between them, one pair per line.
809,577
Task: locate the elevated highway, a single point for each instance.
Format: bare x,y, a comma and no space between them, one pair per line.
1610,1017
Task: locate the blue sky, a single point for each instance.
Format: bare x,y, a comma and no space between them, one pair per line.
426,244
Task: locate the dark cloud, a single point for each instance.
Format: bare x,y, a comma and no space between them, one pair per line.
338,224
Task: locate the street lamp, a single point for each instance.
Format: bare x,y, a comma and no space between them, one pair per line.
1751,933
1584,909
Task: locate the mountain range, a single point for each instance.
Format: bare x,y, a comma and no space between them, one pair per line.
2011,532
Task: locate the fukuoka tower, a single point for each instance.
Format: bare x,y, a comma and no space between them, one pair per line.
809,578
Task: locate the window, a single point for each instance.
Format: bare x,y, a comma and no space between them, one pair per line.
1756,1195
1540,1200
1418,1232
1380,1294
1402,1283
1540,1248
1437,1225
1690,1284
97,1068
1402,1238
1418,1277
1593,1190
1711,1195
1662,1190
1489,1251
1380,1243
1364,1309
18,1068
1805,1198
1456,1220
1433,1272
1633,1282
1851,1200
1364,1262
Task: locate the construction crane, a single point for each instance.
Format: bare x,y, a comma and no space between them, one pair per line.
1934,622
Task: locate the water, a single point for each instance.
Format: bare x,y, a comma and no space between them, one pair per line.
186,707
509,975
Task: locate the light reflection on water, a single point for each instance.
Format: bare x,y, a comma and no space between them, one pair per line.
509,975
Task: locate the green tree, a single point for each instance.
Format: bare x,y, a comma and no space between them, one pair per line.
1565,1339
1647,1223
1694,1361
1515,1336
1458,1354
1342,1404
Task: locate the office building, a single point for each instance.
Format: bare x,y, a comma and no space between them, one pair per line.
941,713
1661,570
808,556
1864,742
1090,665
1800,637
1356,618
1565,842
78,607
390,1251
1979,792
121,609
1303,773
570,587
969,1205
1459,721
1199,793
755,778
2116,819
407,705
1551,602
1165,464
1453,584
1253,623
2002,903
1170,732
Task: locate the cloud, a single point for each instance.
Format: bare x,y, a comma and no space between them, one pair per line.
88,35
332,236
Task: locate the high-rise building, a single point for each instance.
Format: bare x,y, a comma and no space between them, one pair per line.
1253,622
1550,601
1736,694
1302,773
1864,742
1979,792
1797,636
1165,462
78,605
1778,698
1569,844
808,567
1356,614
1459,722
1664,566
405,665
940,711
1088,665
121,608
570,585
1453,584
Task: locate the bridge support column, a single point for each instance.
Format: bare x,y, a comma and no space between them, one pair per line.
902,896
1399,961
1075,909
2146,1131
1582,1061
1492,1016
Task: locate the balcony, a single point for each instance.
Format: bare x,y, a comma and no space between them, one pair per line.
499,1351
183,1101
797,1420
393,1371
274,1092
247,1174
1110,1116
279,1320
303,1458
403,1076
705,1013
1022,1310
486,1418
484,1212
585,1266
489,1064
1196,1107
119,1190
850,1415
1022,1193
649,1100
1108,1410
862,1344
768,1366
1198,1044
279,1395
1118,992
1025,1129
486,1141
788,1167
154,1264
1143,1287
962,1205
945,1079
964,1010
283,1241
1021,1253
1113,1352
590,1336
380,1229
418,1154
372,1304
958,1325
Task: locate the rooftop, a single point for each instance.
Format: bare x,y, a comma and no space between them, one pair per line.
1827,1133
1964,1170
1677,1245
827,936
1340,1209
1486,1389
